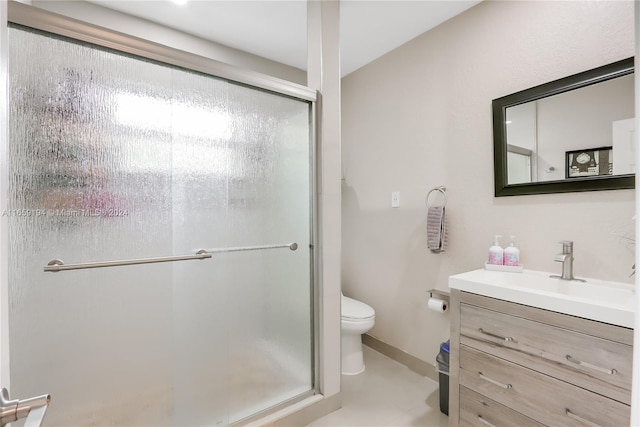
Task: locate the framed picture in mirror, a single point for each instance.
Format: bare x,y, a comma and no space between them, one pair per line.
589,162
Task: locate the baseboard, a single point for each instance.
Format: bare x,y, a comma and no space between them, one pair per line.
416,365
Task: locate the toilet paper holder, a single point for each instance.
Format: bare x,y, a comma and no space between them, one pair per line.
437,293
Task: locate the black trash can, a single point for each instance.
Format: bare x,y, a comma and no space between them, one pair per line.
443,375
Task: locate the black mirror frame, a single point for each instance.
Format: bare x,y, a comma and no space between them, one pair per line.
500,105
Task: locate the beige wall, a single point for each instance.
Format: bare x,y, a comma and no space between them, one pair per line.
420,117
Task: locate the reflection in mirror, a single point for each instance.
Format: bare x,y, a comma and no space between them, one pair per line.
581,119
519,165
573,134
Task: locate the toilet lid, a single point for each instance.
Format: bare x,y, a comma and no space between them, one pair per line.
354,309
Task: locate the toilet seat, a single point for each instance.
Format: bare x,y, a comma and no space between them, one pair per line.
354,310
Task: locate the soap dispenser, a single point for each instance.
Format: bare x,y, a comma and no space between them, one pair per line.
512,254
496,253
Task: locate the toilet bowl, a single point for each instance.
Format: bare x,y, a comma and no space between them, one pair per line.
357,318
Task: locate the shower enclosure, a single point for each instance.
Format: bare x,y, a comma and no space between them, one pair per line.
115,157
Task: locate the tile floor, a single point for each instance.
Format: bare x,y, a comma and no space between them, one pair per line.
386,394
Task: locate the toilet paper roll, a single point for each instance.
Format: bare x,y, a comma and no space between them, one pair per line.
438,305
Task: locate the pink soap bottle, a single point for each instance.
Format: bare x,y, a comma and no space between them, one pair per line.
496,253
512,254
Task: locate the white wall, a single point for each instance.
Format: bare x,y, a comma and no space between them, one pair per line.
421,116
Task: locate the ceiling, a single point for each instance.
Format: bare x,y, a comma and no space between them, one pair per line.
276,29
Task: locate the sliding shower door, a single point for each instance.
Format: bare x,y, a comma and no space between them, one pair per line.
114,157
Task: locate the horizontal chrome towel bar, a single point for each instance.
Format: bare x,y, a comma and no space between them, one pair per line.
292,246
56,265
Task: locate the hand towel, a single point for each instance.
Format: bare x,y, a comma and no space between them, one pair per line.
436,229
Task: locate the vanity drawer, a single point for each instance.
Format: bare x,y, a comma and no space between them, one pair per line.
478,410
587,361
535,395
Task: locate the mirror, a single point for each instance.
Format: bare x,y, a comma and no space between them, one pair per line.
572,134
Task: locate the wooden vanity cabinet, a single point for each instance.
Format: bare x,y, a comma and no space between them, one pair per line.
517,365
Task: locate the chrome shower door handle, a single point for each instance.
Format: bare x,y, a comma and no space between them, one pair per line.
33,409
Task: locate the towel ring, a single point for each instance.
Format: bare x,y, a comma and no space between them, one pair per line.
442,190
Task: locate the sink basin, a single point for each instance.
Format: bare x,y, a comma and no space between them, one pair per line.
604,301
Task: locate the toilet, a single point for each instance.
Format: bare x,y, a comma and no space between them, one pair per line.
357,318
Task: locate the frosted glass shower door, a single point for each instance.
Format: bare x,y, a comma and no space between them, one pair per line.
243,181
112,157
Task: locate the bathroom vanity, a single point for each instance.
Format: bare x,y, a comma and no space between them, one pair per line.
530,350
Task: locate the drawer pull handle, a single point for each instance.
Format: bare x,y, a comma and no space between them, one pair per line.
485,422
590,366
582,420
508,339
492,381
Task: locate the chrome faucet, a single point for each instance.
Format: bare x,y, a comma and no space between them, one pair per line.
566,258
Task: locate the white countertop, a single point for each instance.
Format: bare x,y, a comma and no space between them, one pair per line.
604,301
